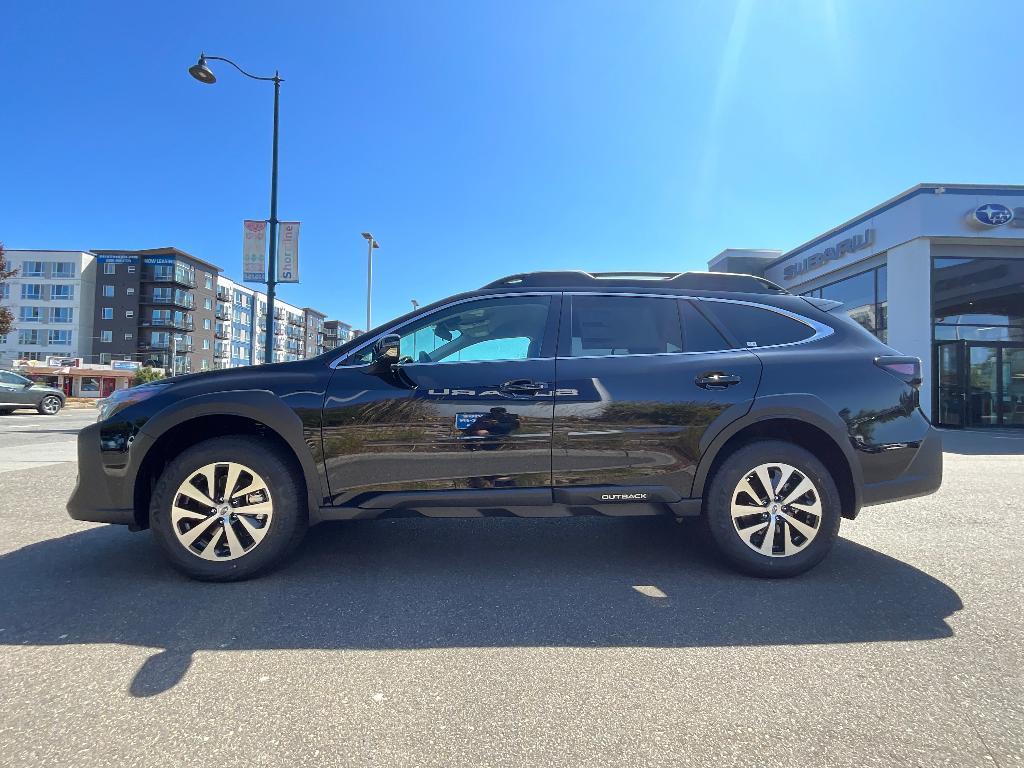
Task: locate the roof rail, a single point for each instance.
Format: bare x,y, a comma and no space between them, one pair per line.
700,281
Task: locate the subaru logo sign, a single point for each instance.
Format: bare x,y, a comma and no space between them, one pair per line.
993,214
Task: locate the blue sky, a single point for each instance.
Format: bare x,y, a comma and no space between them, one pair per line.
481,139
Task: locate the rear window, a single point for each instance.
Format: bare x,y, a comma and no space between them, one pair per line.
757,327
623,325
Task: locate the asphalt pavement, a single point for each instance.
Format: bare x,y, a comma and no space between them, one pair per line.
506,642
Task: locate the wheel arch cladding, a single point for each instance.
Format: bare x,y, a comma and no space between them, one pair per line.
806,427
189,422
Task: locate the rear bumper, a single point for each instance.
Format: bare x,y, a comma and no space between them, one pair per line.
98,497
922,476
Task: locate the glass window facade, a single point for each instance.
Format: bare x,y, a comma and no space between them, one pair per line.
978,299
865,299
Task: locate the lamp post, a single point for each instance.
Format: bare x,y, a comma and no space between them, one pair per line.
371,243
202,72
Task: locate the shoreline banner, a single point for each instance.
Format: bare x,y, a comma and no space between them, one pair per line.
254,251
288,252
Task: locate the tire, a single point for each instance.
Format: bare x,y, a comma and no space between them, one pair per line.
50,405
803,530
5,411
232,545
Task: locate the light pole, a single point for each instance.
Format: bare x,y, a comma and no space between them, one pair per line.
415,304
201,72
371,243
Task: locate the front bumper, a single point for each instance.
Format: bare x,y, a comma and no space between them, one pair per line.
99,497
922,476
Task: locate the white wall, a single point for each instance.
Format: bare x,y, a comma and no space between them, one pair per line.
910,320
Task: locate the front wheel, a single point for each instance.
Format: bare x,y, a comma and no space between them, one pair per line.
773,509
50,405
228,508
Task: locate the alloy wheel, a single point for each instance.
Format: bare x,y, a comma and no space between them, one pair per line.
222,511
776,510
50,405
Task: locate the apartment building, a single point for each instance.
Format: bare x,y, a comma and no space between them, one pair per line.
337,333
314,331
51,299
155,306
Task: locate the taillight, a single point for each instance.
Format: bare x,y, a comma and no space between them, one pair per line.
906,369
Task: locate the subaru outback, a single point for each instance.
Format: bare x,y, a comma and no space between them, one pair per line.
549,394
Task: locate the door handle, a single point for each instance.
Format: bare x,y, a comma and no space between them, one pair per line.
523,386
717,380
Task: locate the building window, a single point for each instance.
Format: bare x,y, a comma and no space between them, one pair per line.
61,314
59,338
129,313
106,336
62,292
206,343
107,313
28,338
63,270
129,291
204,365
32,269
108,290
5,291
207,303
206,323
31,315
208,280
109,268
129,336
131,269
864,297
978,299
31,291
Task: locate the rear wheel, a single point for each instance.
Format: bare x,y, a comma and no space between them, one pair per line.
228,509
773,509
50,405
5,411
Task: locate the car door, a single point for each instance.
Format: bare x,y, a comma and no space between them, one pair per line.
639,381
464,417
15,389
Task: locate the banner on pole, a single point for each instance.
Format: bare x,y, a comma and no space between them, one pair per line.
254,251
288,252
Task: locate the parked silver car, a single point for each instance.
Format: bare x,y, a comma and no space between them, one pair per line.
18,392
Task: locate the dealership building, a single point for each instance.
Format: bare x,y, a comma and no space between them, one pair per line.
936,272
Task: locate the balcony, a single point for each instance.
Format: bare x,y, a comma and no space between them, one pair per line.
174,277
223,294
221,353
221,333
185,301
178,325
223,314
295,320
164,346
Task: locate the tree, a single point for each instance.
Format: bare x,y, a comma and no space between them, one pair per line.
6,273
146,375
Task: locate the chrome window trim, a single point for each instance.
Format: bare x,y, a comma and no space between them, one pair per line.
821,330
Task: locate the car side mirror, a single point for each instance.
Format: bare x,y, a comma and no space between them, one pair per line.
385,353
28,385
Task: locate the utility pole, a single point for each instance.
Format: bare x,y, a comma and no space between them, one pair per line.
371,243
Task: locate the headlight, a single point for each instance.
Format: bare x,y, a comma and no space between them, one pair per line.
122,398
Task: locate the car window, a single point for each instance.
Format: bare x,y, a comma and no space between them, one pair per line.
698,334
757,327
622,325
12,378
507,328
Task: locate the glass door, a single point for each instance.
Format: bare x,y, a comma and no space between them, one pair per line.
1012,400
951,398
983,395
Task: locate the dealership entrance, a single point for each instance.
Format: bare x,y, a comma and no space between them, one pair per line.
980,384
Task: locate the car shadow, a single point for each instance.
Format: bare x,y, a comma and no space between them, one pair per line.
404,584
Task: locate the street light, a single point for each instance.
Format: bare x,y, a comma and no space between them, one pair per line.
202,72
371,243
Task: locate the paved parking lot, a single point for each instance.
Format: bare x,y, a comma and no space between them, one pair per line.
507,642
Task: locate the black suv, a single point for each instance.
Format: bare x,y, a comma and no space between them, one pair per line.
543,394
